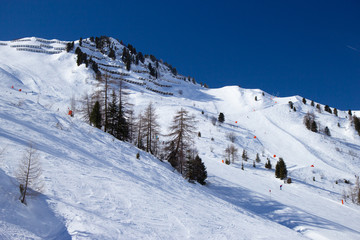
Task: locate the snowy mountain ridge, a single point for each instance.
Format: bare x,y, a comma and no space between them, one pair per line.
95,188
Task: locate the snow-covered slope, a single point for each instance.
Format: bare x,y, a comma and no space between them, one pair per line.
95,188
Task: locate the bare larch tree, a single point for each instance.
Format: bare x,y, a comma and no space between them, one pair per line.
29,173
150,128
182,132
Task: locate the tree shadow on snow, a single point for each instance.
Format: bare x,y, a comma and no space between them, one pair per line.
36,217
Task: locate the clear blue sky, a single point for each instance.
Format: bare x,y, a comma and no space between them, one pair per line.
307,48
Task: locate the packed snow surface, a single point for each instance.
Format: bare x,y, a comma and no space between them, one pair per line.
96,188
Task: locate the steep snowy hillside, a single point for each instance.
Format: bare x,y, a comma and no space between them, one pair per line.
94,187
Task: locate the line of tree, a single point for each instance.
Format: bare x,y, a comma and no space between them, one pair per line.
115,117
129,56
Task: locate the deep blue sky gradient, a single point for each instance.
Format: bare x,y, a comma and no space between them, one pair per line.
307,48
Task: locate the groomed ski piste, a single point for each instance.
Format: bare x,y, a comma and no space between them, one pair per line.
96,188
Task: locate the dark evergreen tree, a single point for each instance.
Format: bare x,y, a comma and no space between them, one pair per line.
79,60
312,103
122,129
335,112
69,46
304,100
102,42
95,116
318,108
112,115
77,50
327,131
294,109
152,70
245,156
97,42
140,57
132,49
268,164
92,39
291,104
314,127
172,157
258,160
280,169
94,66
357,124
81,57
196,170
126,58
80,42
349,112
221,118
128,65
112,54
327,109
153,58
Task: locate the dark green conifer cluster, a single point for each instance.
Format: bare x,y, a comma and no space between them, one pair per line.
196,170
81,57
280,169
69,46
357,124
